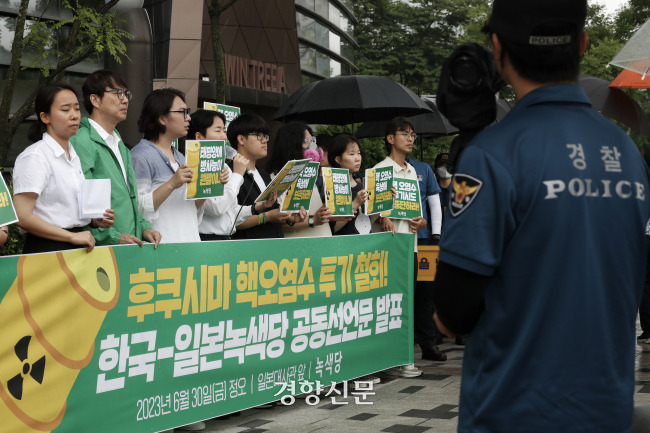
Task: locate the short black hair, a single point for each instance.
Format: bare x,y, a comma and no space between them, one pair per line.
96,84
399,123
201,120
337,147
287,144
156,104
245,124
541,63
43,104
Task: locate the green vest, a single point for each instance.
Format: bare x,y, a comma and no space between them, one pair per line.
99,162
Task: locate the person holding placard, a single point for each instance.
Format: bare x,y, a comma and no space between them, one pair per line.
292,141
399,139
218,221
344,152
103,155
48,177
248,134
161,171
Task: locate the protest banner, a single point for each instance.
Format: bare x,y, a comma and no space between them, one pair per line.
7,211
136,340
379,182
407,203
284,178
338,193
299,193
206,159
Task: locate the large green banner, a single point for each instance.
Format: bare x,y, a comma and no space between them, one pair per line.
140,340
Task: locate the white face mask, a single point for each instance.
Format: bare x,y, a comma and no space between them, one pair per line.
442,172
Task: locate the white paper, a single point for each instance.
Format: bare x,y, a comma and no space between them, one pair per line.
94,198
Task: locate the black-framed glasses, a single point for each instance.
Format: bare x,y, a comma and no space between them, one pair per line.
407,135
121,93
185,111
260,136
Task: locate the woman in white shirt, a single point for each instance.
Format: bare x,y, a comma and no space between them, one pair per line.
218,221
160,170
47,178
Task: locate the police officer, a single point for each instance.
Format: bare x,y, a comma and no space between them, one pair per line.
543,253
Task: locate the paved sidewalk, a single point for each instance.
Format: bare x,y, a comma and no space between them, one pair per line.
428,403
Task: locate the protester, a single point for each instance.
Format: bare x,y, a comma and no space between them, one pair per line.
543,254
248,134
47,178
218,221
293,141
430,202
344,152
161,171
103,155
443,177
399,139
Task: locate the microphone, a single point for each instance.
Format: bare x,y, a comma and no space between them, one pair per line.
230,152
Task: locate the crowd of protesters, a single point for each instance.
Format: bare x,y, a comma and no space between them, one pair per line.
148,182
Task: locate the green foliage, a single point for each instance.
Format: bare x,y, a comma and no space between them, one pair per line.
95,33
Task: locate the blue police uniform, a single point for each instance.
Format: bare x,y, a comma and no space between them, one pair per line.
551,204
428,186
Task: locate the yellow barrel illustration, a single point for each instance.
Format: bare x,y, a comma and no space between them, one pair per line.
193,160
329,189
289,195
50,317
370,187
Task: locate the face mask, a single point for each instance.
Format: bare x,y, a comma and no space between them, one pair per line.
443,173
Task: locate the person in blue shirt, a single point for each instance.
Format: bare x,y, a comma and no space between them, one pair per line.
429,198
543,251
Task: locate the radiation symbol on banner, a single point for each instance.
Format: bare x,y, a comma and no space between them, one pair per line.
34,370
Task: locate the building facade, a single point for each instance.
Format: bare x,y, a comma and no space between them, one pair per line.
271,48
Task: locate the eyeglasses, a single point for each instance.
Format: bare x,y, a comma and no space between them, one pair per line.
186,111
260,137
121,93
309,141
407,135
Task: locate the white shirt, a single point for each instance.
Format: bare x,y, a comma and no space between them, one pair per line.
220,212
401,226
113,142
43,168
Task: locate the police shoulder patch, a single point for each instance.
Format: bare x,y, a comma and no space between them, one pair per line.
465,190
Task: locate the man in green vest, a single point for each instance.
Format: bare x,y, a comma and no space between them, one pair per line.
103,155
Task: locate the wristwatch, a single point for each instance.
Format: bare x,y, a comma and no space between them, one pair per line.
311,221
255,211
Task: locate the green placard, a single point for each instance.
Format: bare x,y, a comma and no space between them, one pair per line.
407,203
7,211
284,179
299,193
379,182
130,339
206,159
229,111
338,193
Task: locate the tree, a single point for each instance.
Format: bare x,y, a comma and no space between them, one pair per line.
215,9
91,31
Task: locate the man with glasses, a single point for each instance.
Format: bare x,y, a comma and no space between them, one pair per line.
399,139
103,155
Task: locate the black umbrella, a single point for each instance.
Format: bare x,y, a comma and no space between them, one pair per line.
433,124
614,103
351,99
